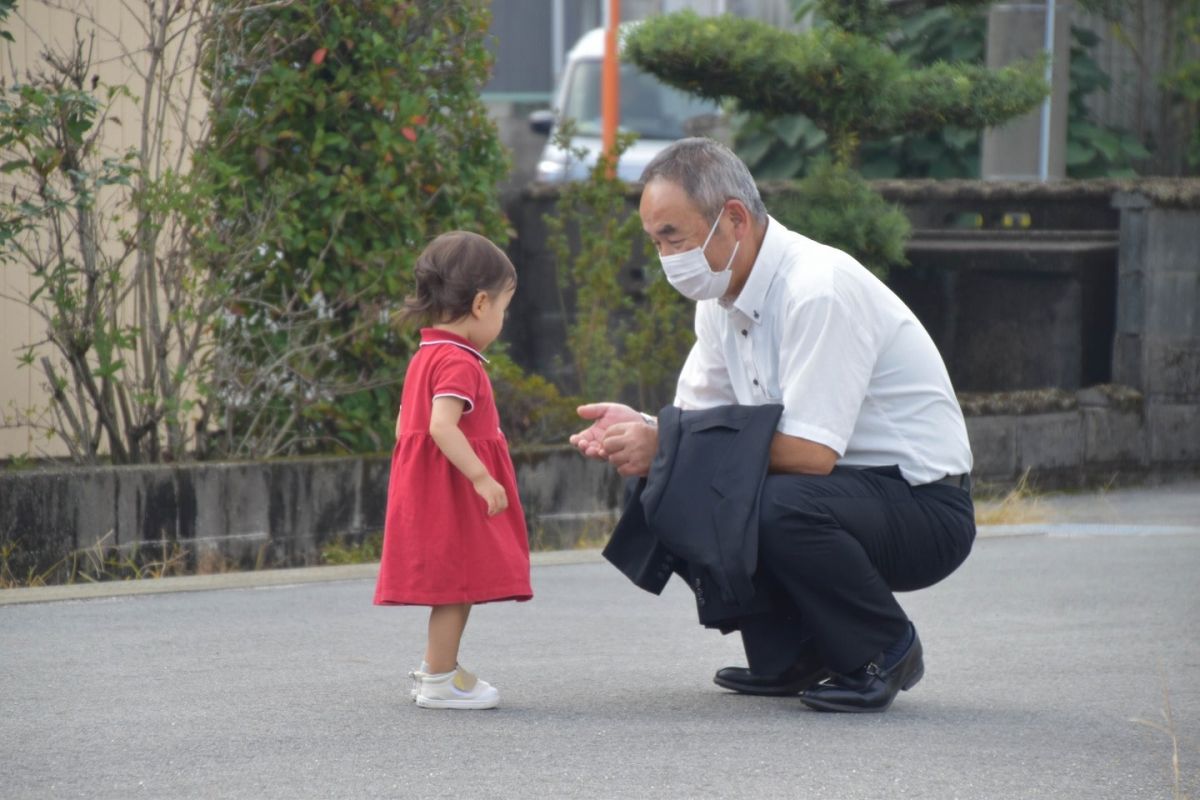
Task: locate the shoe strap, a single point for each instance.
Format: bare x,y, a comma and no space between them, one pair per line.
464,681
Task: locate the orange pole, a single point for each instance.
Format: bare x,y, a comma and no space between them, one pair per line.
610,87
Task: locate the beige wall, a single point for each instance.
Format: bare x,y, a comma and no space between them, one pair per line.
119,58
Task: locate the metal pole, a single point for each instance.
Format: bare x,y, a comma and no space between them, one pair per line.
1044,143
556,40
610,89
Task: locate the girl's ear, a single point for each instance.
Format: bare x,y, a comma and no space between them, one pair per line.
479,304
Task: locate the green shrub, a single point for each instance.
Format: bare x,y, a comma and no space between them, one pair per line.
1095,150
786,146
836,206
342,551
100,235
852,86
628,334
532,409
345,136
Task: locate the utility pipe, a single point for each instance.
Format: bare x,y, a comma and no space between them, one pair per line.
610,87
1044,138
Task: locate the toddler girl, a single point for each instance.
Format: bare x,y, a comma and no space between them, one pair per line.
454,534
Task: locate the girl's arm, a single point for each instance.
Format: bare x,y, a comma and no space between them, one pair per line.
443,427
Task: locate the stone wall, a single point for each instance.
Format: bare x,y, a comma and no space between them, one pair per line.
256,514
1062,439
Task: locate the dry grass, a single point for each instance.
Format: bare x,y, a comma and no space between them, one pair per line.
212,562
1018,507
100,562
1167,726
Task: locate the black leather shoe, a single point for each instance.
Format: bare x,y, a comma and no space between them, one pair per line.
795,679
871,688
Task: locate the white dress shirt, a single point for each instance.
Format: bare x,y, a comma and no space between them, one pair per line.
853,367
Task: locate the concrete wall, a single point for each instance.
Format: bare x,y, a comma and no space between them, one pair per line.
277,513
1064,439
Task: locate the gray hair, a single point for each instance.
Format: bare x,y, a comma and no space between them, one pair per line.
709,173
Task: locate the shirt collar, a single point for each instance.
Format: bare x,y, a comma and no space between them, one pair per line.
751,301
432,336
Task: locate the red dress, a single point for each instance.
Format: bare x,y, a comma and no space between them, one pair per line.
439,544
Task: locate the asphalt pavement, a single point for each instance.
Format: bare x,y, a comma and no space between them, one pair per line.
1062,661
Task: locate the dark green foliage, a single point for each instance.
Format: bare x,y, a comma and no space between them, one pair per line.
777,147
345,136
851,86
623,344
836,206
946,34
773,150
6,8
1181,79
1172,31
879,18
532,409
869,18
1094,150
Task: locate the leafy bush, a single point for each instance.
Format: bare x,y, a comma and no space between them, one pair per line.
947,34
787,146
836,206
104,236
852,86
1095,150
345,136
628,335
532,409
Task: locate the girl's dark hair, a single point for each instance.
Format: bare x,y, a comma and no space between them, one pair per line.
450,272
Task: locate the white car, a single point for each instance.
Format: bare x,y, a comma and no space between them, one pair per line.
656,112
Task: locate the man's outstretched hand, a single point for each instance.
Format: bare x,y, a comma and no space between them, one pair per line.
619,435
590,442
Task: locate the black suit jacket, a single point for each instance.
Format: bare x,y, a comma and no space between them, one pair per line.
696,513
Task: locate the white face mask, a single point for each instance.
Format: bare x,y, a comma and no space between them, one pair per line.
690,273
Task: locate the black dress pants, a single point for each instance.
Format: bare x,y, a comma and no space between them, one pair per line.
832,550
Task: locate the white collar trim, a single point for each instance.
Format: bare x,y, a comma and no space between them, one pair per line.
468,348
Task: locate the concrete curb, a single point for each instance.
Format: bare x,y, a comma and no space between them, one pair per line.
1078,529
262,579
259,579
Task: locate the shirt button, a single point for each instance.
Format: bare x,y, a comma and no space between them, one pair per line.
745,333
756,381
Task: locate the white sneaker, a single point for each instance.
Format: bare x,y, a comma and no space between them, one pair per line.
458,689
417,676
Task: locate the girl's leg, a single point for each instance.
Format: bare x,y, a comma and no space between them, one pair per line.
446,625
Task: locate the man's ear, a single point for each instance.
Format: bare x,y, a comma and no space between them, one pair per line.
479,304
737,212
